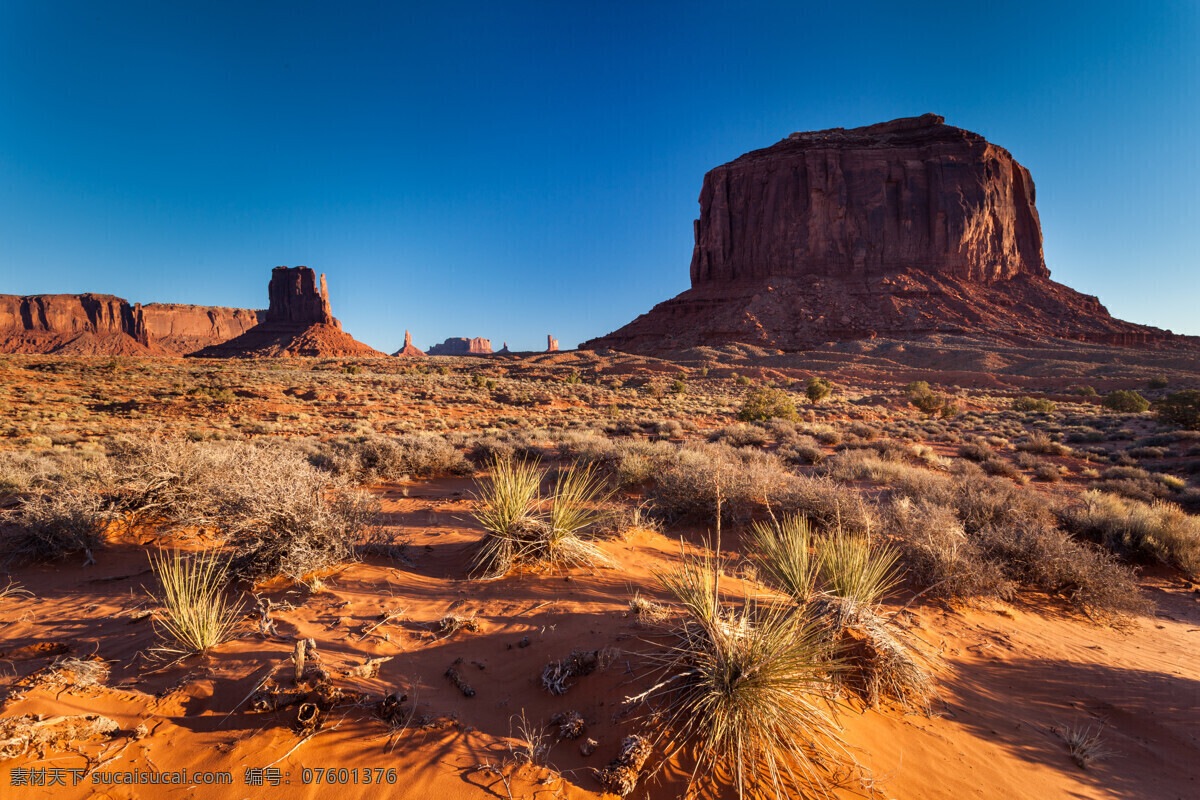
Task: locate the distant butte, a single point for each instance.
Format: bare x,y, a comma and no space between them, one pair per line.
460,346
409,350
904,228
101,324
299,322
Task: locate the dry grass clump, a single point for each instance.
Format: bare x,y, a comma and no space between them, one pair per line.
646,611
196,615
785,555
745,687
824,502
1158,530
1083,744
521,531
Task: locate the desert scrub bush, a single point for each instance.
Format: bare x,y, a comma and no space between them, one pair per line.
196,615
763,403
1031,404
940,556
57,523
519,531
739,435
1126,401
1180,408
975,451
817,389
1159,531
993,561
1041,443
705,477
744,686
368,459
1158,382
1044,557
802,451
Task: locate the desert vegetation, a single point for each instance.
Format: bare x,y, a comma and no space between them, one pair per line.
719,552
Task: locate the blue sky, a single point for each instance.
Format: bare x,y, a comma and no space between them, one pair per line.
509,170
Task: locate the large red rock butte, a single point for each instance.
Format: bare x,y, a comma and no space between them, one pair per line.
461,346
101,324
298,322
904,228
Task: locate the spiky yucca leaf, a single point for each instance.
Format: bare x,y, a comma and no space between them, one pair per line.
520,532
197,615
784,550
745,686
502,506
852,568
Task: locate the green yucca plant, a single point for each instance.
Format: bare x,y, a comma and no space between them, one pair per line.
784,550
745,687
197,615
851,568
517,529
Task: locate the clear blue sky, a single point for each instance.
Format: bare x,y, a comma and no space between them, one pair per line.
509,169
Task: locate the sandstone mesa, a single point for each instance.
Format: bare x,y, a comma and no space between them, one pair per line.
904,228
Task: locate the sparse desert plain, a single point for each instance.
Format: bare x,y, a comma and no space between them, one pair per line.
875,509
1033,634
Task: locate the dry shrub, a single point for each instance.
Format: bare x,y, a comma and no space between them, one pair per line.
824,502
55,524
938,553
370,459
1042,556
1159,531
280,515
703,475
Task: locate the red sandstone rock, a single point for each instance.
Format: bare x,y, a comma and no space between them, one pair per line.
551,344
294,298
409,349
183,328
903,228
299,322
460,346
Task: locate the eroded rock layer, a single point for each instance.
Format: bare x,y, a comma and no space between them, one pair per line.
101,324
902,228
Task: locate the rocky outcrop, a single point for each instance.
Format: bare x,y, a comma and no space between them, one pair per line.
101,324
409,349
551,344
460,346
295,298
183,329
902,228
298,322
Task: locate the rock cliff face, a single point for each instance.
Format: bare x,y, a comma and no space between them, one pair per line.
295,299
902,228
185,328
298,322
100,324
460,346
